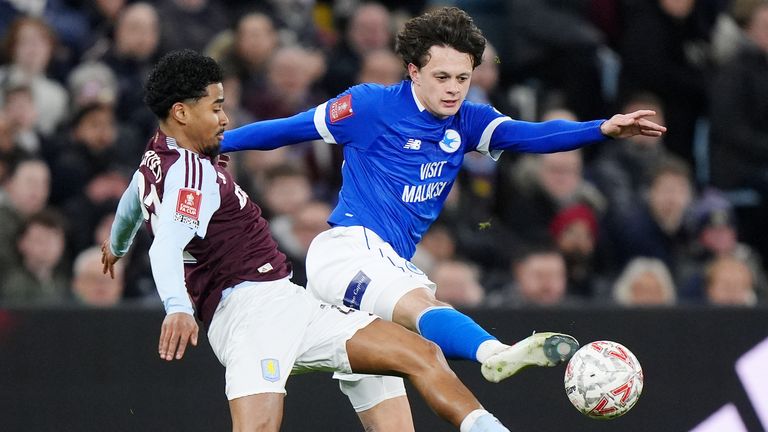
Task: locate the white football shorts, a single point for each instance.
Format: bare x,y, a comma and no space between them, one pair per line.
264,331
353,266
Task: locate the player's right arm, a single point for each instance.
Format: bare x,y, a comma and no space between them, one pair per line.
271,134
345,119
127,222
167,261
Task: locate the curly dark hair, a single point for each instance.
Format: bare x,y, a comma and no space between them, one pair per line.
447,26
178,76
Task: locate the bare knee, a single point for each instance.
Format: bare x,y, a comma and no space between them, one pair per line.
427,358
410,307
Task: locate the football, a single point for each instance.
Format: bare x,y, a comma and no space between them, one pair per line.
603,380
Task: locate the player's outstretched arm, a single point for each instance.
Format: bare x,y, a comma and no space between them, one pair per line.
271,134
635,123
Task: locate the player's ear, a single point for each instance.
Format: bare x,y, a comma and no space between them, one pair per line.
180,112
413,72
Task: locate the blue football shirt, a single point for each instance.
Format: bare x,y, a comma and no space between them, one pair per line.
400,161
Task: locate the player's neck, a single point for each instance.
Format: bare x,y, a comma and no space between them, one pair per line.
177,133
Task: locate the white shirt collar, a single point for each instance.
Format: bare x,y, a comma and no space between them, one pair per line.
416,99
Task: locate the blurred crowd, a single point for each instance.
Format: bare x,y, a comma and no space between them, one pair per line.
644,221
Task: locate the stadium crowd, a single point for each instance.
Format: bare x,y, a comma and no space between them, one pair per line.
642,221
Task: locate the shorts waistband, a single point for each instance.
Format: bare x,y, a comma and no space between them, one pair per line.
227,291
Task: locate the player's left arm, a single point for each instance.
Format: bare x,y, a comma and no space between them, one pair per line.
502,133
271,134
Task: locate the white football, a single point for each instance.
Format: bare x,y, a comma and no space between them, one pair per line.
603,380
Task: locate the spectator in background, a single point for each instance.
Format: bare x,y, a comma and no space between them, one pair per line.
21,114
286,190
102,17
458,283
437,245
191,24
291,72
645,282
655,228
295,233
24,193
39,276
92,170
94,145
712,221
539,278
9,151
739,117
739,114
255,40
137,34
29,45
534,189
381,67
90,286
485,83
621,169
574,231
549,43
730,283
665,50
369,29
92,82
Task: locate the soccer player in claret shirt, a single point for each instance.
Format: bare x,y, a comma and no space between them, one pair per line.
403,147
213,255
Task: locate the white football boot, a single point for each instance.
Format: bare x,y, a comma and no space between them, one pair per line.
539,349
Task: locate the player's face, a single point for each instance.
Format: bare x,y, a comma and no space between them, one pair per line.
209,121
442,84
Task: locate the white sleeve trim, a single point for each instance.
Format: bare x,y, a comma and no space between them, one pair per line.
321,126
485,139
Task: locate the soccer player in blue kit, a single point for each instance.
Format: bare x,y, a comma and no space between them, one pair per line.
403,148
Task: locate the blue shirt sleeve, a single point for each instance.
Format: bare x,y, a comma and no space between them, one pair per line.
271,134
350,117
491,132
545,137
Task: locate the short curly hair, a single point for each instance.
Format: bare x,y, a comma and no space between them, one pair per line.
178,76
447,26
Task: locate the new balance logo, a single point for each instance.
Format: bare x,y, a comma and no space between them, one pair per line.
412,144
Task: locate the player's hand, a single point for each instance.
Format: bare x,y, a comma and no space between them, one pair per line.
108,259
222,160
178,330
636,123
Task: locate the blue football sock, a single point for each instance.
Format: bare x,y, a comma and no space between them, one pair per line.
455,333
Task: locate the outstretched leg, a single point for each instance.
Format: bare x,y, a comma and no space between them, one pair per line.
460,337
386,348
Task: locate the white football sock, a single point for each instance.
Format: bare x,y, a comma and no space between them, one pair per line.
470,419
481,420
488,348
